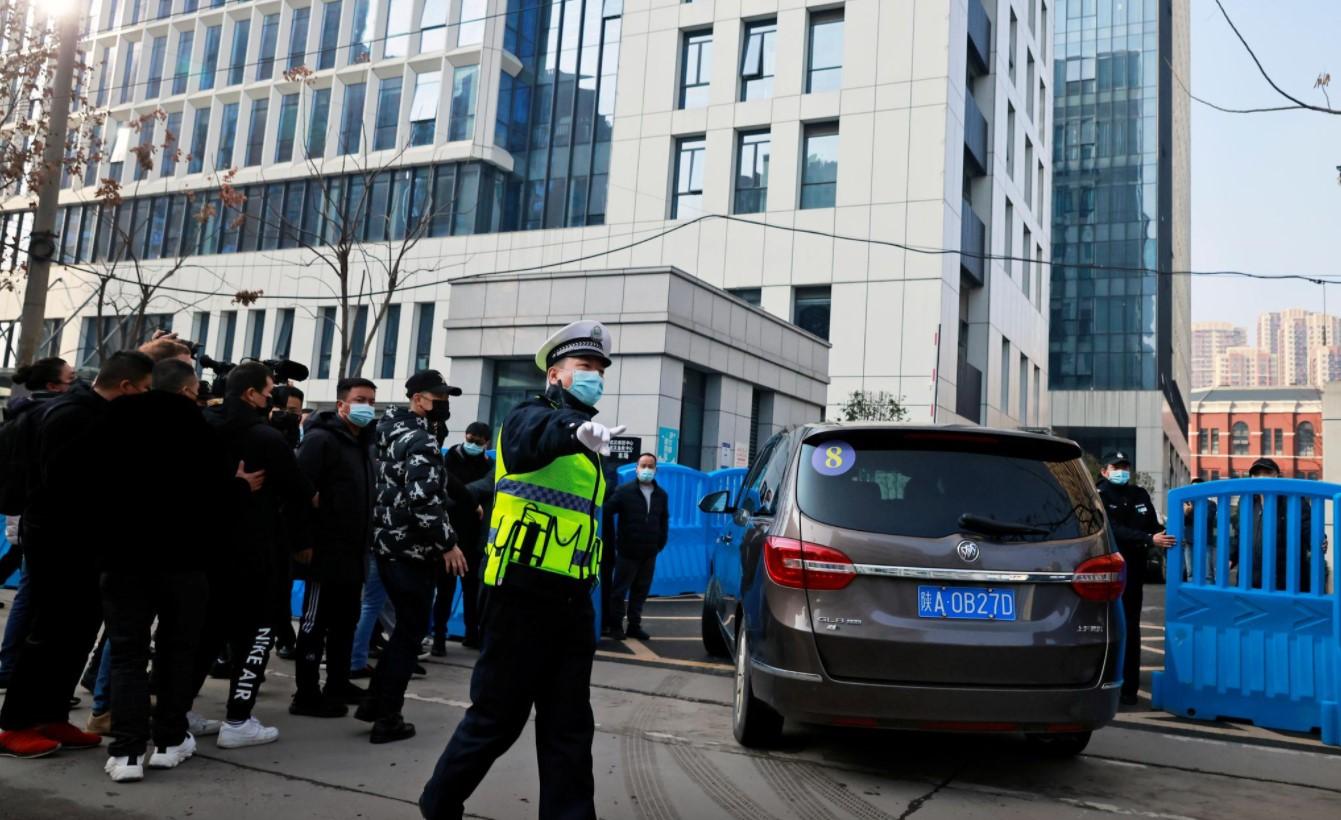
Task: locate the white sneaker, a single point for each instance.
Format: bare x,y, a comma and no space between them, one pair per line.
170,756
125,769
251,733
201,726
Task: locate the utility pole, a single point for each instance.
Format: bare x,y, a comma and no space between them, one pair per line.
42,242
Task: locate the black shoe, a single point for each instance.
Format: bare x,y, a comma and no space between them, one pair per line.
439,649
617,634
361,674
4,683
419,670
221,670
390,729
317,706
1129,700
287,653
472,643
636,631
368,711
346,693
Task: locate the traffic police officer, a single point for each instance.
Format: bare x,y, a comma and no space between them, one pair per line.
1135,527
541,562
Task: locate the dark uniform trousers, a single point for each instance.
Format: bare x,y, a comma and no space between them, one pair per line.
1133,599
537,652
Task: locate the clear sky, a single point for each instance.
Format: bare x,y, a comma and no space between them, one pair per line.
1265,196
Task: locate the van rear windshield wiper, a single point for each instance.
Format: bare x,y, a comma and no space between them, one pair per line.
983,524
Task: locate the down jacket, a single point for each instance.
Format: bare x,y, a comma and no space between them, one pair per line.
411,510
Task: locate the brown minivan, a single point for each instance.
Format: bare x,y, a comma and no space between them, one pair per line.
935,578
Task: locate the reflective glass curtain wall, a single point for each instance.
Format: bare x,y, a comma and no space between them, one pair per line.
557,116
1107,204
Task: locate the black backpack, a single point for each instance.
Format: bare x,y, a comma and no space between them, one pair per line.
18,438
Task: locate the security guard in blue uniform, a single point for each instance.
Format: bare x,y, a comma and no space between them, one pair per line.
542,560
1136,528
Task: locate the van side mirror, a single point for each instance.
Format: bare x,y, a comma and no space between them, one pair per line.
716,503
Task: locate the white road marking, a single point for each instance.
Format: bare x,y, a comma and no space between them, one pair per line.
1109,808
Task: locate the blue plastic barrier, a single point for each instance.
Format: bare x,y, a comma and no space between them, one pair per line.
12,581
1253,633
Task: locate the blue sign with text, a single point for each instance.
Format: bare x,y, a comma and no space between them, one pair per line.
668,444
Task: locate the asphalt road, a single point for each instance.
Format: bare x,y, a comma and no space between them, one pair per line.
663,751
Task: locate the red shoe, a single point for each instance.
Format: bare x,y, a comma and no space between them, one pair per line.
27,743
70,737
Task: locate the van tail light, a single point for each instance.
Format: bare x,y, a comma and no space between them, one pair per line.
1102,578
800,565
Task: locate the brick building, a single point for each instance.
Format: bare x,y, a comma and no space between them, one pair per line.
1233,426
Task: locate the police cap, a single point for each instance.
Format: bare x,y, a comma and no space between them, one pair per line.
584,338
1117,457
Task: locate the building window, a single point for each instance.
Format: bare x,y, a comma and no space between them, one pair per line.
471,30
819,175
388,114
260,111
825,57
255,332
687,202
210,66
359,340
298,37
265,66
752,156
1278,442
223,158
128,73
351,126
433,26
810,309
1008,243
757,60
237,64
1304,439
157,53
693,408
751,296
695,69
1005,375
360,33
514,382
185,41
325,341
317,122
424,107
330,34
288,127
423,335
461,122
1201,441
399,14
200,331
1215,441
1238,439
1024,390
200,132
227,333
284,333
390,340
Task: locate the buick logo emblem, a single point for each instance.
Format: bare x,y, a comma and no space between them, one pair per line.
968,551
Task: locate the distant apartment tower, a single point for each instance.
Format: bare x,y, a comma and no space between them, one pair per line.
1324,365
1245,366
1292,336
1120,338
1209,341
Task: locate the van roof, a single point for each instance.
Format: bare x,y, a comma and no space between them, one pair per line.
960,429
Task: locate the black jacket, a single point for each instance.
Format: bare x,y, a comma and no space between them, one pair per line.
283,504
61,454
1132,519
160,467
410,517
634,528
463,471
340,465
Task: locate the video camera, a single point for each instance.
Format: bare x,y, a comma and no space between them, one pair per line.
283,370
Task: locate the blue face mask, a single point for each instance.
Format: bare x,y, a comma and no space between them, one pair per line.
645,475
361,414
588,387
472,449
1119,477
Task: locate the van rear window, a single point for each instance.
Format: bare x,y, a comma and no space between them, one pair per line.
921,485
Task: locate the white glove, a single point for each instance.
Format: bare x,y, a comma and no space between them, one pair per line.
596,437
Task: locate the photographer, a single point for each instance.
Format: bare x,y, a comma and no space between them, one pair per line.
251,574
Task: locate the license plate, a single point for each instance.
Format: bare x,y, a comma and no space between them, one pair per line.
966,603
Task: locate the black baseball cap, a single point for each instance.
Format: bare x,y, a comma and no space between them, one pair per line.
429,381
1117,457
1265,464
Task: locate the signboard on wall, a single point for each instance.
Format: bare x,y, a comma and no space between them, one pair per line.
668,445
726,455
742,454
625,449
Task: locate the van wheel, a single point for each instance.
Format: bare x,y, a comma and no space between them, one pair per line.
754,723
1059,745
714,642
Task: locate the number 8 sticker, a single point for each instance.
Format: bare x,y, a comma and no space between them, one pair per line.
833,458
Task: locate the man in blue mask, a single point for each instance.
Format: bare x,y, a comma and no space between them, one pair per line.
541,564
1136,528
336,456
637,525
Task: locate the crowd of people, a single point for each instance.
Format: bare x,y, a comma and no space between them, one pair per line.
373,515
